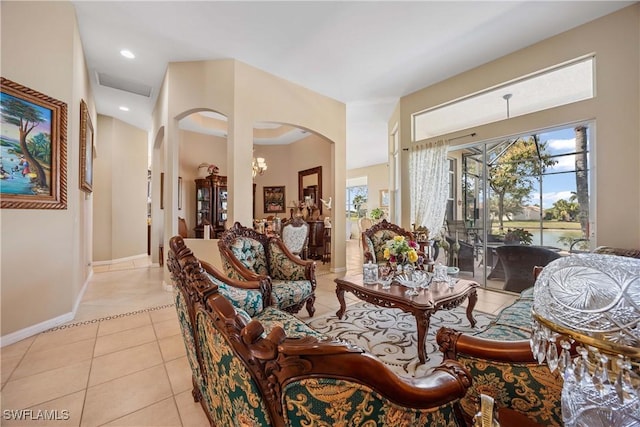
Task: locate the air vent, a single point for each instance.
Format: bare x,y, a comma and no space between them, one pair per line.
124,84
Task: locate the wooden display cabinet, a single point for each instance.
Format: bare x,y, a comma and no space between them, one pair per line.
211,205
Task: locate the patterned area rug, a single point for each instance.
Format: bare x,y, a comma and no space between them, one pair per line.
392,336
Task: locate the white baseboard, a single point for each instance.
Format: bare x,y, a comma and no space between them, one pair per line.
338,269
115,261
14,337
30,331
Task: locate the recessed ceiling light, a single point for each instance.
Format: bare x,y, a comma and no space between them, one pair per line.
123,108
127,54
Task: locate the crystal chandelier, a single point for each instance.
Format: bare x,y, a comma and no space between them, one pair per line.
258,166
591,302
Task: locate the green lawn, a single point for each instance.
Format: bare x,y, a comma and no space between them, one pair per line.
551,224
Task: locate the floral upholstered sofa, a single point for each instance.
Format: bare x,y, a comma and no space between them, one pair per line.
272,370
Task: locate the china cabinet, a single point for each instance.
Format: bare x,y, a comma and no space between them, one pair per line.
211,205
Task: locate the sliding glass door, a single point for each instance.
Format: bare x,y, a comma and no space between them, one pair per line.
530,189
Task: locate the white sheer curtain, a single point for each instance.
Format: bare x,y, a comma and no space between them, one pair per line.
429,184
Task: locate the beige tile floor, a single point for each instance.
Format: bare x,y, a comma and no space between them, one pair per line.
129,369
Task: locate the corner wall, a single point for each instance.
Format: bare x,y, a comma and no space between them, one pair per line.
46,254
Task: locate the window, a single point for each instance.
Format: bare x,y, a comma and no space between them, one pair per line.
356,197
546,89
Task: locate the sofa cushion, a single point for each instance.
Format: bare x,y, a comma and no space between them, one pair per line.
249,300
514,322
250,253
286,293
282,268
293,327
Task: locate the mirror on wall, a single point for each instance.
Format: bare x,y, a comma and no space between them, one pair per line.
310,185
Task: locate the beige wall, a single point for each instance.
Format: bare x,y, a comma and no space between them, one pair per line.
196,148
615,40
283,161
120,196
46,255
246,96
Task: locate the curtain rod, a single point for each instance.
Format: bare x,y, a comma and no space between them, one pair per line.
452,139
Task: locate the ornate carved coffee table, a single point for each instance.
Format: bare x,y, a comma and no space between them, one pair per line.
439,296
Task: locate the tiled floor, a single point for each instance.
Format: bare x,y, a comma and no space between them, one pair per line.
127,370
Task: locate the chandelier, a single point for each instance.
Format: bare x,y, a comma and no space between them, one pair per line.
258,166
591,301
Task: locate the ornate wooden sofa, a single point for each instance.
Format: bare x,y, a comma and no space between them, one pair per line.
249,372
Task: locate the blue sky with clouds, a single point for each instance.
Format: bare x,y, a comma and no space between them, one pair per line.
555,187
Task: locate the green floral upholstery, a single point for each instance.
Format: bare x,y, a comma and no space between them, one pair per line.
229,270
292,280
249,300
282,268
189,343
377,243
293,327
527,388
287,293
238,401
328,402
251,254
514,322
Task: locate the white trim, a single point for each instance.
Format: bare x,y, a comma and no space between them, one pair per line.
338,269
115,261
32,330
16,336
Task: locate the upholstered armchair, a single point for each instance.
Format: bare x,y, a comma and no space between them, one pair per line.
375,237
251,256
295,236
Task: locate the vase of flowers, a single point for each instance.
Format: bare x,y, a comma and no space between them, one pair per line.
401,251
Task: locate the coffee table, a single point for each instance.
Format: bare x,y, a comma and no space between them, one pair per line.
439,296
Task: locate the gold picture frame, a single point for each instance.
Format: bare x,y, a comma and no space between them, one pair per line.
86,149
34,149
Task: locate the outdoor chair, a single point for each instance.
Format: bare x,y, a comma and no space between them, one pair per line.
518,262
375,237
295,235
464,259
252,256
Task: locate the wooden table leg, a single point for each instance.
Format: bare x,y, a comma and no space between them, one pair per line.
343,305
422,322
473,299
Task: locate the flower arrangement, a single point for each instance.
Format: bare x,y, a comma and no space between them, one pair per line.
401,250
518,236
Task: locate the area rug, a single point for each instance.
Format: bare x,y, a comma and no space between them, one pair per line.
391,334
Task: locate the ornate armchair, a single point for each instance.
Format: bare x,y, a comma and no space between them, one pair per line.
250,256
375,237
295,235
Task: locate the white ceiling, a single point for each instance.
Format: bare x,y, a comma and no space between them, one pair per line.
366,54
